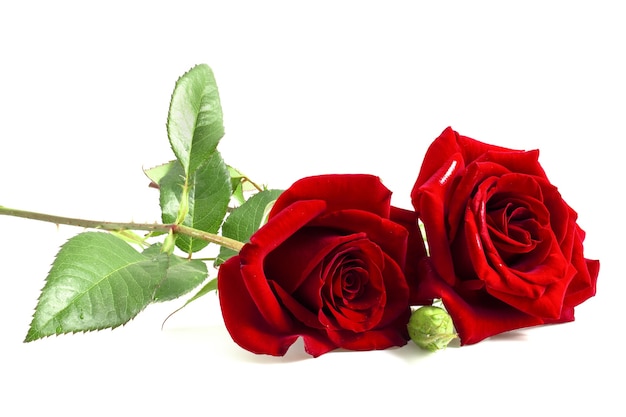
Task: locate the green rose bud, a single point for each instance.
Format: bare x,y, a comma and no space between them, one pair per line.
431,328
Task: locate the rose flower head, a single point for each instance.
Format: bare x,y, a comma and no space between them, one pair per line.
328,266
505,249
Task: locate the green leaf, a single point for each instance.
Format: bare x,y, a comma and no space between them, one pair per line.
183,275
240,185
210,286
156,174
236,180
246,219
97,281
194,122
208,198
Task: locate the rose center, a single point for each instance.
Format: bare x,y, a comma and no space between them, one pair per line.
517,221
352,293
351,278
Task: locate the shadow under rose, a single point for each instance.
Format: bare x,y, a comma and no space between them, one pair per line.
511,336
296,353
217,339
412,353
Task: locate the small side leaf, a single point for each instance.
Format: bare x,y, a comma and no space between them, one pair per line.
194,121
240,185
97,281
183,275
209,195
245,220
236,180
156,174
208,287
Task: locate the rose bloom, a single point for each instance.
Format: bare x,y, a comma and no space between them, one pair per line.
505,249
328,266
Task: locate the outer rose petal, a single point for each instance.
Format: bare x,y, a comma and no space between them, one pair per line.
474,320
339,192
430,199
374,339
243,320
447,144
415,254
583,285
252,256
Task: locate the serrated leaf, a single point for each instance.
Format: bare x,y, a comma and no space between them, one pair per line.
194,122
240,185
96,281
209,195
156,174
207,288
236,182
183,275
246,219
210,286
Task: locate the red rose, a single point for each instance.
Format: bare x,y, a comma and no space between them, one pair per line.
505,249
327,267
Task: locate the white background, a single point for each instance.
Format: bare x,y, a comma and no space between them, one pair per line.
306,88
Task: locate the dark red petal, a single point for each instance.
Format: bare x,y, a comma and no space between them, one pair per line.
517,161
567,315
293,262
316,345
430,201
361,260
473,149
539,292
301,313
416,252
340,191
460,192
245,323
266,239
583,285
477,319
397,293
383,338
448,144
390,236
562,216
438,155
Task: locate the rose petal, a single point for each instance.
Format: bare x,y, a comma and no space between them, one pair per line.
430,199
477,318
393,335
291,263
539,292
340,192
450,143
415,253
517,161
396,291
583,285
245,323
390,236
266,239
